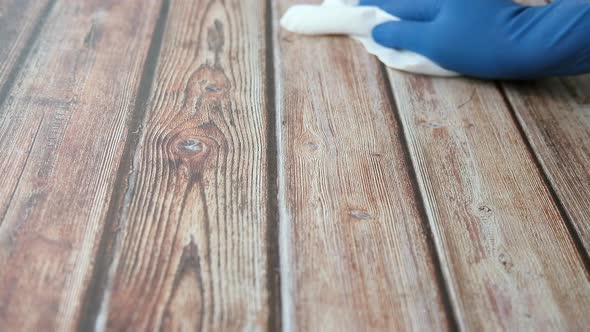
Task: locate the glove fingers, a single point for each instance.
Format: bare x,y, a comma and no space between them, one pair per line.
407,35
415,10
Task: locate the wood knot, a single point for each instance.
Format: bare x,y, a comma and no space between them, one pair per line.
506,262
485,209
482,212
361,215
212,88
313,146
190,152
190,146
207,84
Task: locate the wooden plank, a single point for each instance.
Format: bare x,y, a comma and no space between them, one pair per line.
18,20
355,256
62,133
554,116
505,251
556,120
193,253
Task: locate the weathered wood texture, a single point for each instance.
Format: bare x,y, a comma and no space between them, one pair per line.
505,251
354,250
555,116
136,187
62,131
18,19
193,254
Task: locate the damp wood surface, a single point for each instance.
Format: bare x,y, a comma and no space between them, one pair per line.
182,165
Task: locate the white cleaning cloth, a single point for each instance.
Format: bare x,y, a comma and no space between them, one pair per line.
343,17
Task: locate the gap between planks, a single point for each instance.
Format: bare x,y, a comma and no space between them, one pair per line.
283,234
274,167
569,223
420,199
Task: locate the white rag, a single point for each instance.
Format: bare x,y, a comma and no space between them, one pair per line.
344,17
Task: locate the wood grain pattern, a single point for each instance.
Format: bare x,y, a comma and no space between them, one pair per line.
354,251
193,251
137,180
62,131
506,252
555,117
18,19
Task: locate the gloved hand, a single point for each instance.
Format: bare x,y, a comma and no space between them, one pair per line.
495,39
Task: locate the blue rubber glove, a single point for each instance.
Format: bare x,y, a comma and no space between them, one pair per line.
494,39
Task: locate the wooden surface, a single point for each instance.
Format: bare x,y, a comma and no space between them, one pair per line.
20,21
354,245
497,230
192,255
63,126
188,165
555,116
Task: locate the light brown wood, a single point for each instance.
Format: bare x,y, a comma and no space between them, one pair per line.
62,132
138,180
506,253
194,251
354,250
555,116
18,19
